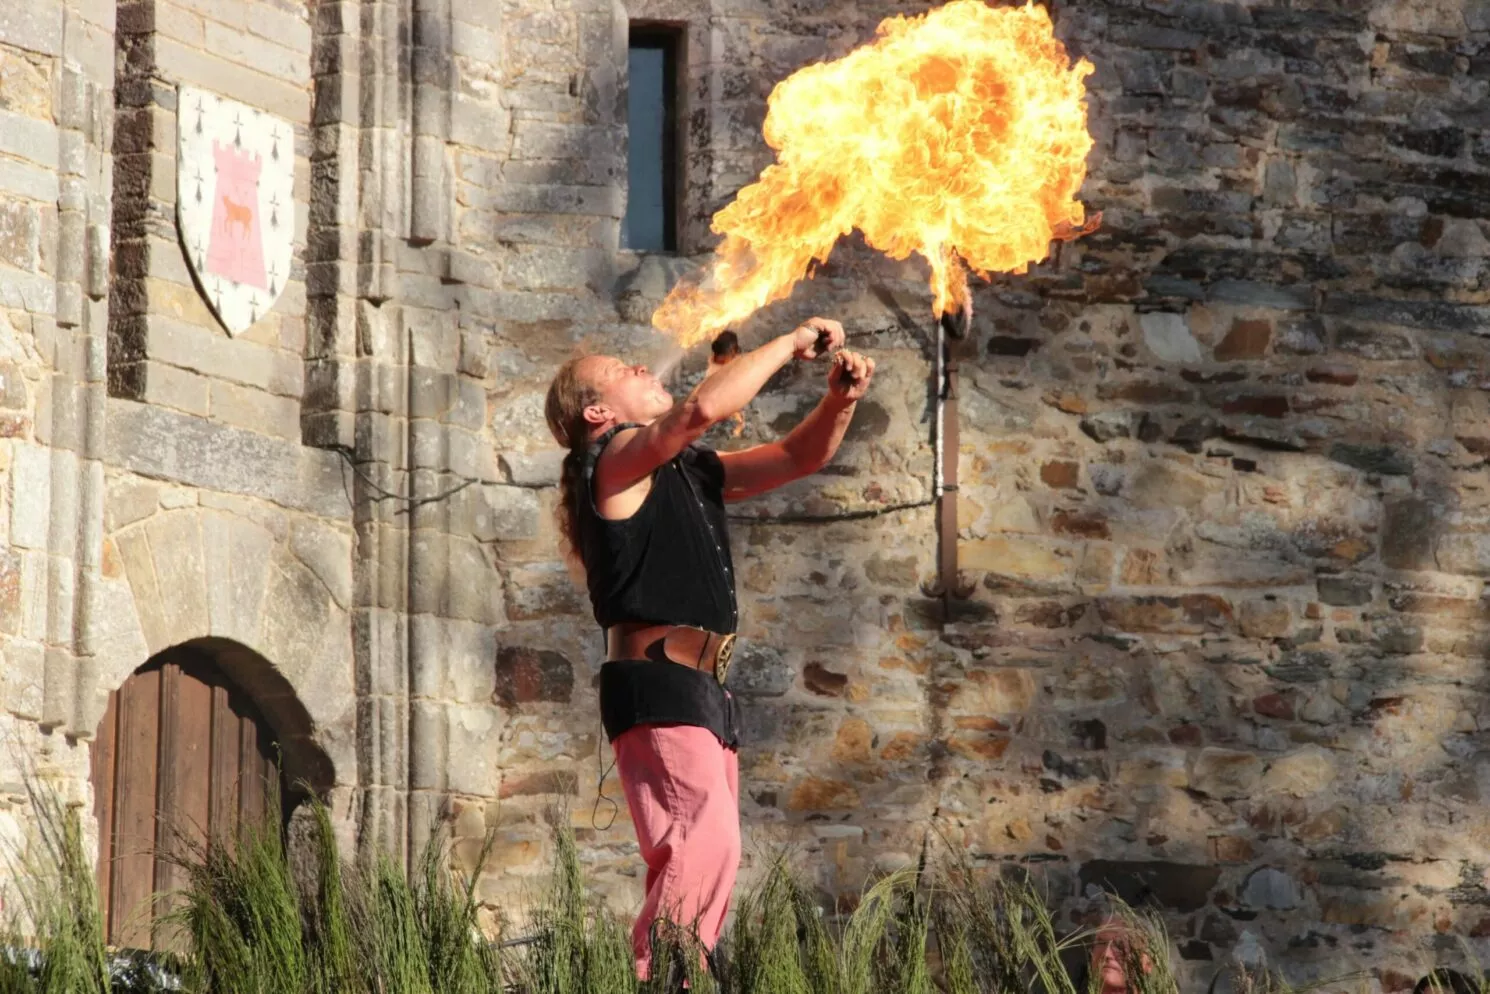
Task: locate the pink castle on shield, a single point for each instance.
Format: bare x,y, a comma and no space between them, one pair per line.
235,249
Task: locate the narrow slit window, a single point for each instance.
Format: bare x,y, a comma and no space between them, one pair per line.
651,222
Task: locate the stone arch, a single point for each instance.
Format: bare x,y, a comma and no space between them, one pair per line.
266,594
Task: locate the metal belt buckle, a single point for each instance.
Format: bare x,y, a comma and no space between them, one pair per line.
723,656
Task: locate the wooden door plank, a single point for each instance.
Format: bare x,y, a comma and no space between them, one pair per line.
251,782
222,818
134,814
185,762
102,769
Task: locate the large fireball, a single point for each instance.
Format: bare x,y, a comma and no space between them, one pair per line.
959,135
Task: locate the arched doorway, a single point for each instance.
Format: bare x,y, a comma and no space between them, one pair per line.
183,755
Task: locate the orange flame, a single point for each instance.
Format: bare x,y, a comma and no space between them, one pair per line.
959,135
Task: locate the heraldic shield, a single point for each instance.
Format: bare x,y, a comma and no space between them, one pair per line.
235,175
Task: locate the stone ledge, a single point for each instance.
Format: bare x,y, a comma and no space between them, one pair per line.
168,445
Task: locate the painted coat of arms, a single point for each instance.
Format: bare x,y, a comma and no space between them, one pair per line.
235,173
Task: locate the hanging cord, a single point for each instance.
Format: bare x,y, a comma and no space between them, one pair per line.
605,771
380,494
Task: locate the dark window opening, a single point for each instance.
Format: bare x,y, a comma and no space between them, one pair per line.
652,113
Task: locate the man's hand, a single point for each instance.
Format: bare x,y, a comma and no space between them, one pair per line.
806,338
849,376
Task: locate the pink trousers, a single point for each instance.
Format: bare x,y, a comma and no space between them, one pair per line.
683,789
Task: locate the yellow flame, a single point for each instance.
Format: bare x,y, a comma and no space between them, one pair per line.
959,135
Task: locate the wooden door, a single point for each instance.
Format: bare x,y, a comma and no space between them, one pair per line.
181,757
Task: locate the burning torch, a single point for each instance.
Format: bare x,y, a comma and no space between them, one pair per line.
959,135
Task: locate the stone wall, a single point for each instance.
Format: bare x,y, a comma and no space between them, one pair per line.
1220,536
1223,539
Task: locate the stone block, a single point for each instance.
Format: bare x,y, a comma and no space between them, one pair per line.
205,349
258,53
466,650
823,682
546,782
297,614
180,574
1154,767
1383,460
1225,773
171,446
177,389
1466,553
528,675
543,591
1271,888
255,410
760,670
20,234
1016,557
994,692
1246,340
237,554
1177,886
35,293
1188,614
484,124
10,592
21,679
30,495
815,794
28,181
537,469
327,551
1410,529
476,592
1304,774
139,569
1265,619
283,98
25,83
1169,338
32,27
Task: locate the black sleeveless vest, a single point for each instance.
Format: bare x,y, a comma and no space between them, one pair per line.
669,563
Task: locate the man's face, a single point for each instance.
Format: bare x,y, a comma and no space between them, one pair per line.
627,393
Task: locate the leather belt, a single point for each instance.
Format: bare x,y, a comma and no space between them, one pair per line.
696,648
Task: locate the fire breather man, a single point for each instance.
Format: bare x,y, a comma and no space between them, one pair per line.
642,511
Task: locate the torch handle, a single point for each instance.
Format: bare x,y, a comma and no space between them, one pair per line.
822,349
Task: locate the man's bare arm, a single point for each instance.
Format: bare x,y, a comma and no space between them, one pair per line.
635,455
810,445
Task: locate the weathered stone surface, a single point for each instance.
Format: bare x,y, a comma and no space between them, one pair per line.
1410,529
1182,887
1343,591
529,676
180,574
1168,336
1271,888
1303,774
30,496
1226,773
237,553
760,671
822,681
328,553
1245,340
817,794
1192,614
164,444
1382,459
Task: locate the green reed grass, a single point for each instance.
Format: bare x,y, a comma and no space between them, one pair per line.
259,917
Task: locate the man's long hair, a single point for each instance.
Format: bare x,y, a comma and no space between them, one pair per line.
568,396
